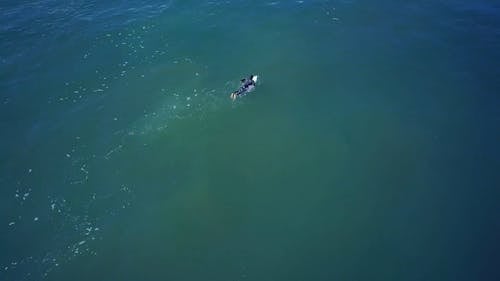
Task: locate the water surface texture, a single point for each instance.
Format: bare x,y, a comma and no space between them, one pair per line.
368,151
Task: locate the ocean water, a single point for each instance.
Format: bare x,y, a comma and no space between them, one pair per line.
368,151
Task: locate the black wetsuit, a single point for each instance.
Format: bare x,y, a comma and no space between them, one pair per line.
247,84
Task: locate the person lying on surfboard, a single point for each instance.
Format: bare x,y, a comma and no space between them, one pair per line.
247,85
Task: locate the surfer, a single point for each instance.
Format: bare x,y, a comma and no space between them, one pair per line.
247,85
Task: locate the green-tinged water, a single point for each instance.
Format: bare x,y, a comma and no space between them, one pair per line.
368,151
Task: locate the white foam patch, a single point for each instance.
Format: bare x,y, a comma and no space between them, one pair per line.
73,232
76,225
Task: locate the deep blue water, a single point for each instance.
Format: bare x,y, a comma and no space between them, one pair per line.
368,151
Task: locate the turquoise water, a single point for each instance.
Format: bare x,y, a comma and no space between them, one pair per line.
368,151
